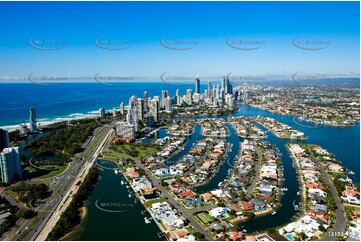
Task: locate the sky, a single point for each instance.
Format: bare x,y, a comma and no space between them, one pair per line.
264,38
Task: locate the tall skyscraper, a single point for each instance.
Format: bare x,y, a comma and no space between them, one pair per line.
140,109
10,164
189,97
122,108
4,139
169,104
132,114
223,84
209,89
32,120
154,109
114,111
164,96
198,85
102,113
145,101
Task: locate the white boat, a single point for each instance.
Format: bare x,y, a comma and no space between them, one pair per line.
147,220
296,207
220,184
284,189
298,193
127,186
274,212
116,171
122,182
130,195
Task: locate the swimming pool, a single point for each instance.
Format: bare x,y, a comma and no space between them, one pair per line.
289,236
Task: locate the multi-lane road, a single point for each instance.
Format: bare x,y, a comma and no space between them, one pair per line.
30,229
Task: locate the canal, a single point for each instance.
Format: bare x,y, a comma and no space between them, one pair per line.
343,142
111,214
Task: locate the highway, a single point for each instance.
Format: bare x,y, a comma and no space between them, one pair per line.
47,225
61,187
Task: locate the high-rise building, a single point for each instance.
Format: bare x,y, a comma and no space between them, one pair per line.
169,104
150,121
140,109
10,164
32,120
196,97
4,139
189,97
229,99
114,111
198,85
125,130
209,89
223,83
132,114
145,101
122,108
164,96
154,109
102,113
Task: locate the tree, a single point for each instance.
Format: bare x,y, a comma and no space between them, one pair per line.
198,235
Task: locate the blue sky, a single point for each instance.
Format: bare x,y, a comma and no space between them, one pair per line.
274,24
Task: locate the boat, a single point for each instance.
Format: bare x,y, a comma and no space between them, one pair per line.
147,220
127,186
298,193
220,184
274,212
284,189
116,171
129,195
122,182
296,207
351,173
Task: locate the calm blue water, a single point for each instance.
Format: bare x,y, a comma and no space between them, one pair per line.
71,99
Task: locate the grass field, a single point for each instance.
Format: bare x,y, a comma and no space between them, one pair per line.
58,170
137,151
205,217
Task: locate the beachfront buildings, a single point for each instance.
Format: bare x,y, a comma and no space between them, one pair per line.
10,164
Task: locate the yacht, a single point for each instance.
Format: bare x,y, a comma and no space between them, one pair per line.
147,220
274,212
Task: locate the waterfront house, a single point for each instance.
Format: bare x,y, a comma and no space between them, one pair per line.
219,212
258,205
247,206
